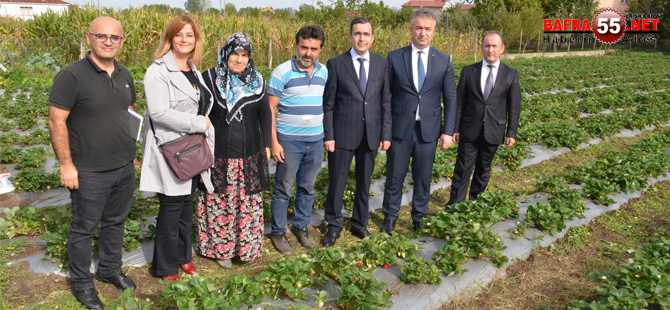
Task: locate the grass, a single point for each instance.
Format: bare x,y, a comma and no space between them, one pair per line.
556,275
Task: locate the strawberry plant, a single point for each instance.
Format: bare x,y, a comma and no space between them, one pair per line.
420,270
377,250
25,122
57,246
564,133
360,290
551,184
35,179
289,278
467,231
328,261
9,138
132,236
35,137
18,221
643,281
511,158
240,290
129,301
196,293
550,217
31,158
601,125
9,155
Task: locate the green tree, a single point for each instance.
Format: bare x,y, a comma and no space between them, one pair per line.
459,20
581,9
249,11
531,23
655,7
197,6
230,9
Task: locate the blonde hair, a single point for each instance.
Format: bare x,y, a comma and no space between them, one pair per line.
172,30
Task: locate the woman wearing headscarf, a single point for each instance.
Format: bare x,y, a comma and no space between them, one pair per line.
230,220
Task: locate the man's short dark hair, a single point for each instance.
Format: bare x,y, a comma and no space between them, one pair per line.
310,32
361,20
486,34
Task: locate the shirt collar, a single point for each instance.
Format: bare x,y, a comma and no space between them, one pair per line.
495,65
355,55
294,66
96,67
416,49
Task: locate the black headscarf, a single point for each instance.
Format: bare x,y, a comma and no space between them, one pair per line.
236,90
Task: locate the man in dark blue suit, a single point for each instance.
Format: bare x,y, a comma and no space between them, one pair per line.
356,121
421,77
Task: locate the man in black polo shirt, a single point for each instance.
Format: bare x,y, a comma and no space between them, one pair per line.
88,121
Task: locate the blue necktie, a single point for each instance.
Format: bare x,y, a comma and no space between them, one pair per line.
422,71
362,77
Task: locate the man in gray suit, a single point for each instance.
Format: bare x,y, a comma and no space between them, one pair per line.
421,77
356,121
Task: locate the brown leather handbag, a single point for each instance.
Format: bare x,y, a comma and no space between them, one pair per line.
187,156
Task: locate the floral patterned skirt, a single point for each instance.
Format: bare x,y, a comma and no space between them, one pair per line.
229,224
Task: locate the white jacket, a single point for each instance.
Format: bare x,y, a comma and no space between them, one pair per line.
173,108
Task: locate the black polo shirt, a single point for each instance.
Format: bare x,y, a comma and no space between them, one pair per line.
98,124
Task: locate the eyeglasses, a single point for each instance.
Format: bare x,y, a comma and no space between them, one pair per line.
364,34
101,38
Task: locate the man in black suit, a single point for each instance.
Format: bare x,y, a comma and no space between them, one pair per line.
356,121
489,97
421,77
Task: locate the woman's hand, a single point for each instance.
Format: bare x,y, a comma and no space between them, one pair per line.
208,122
267,152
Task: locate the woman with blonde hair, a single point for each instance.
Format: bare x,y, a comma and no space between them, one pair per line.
178,104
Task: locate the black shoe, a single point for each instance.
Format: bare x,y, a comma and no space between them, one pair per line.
121,281
360,233
88,298
448,209
330,238
388,226
418,226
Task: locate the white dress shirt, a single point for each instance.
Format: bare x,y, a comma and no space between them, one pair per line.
357,64
485,73
415,70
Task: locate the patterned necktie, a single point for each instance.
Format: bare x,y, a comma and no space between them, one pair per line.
362,78
488,86
421,70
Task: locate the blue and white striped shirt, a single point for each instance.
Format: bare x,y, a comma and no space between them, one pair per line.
300,109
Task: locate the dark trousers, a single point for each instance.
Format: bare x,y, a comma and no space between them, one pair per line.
338,173
397,164
172,246
478,154
102,198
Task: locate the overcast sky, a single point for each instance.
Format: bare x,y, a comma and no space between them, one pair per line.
215,3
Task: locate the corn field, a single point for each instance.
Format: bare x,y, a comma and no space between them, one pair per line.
63,36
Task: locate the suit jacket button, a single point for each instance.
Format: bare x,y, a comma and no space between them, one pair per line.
414,112
419,96
366,102
363,119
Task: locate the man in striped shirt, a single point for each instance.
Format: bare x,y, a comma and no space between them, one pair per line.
296,93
